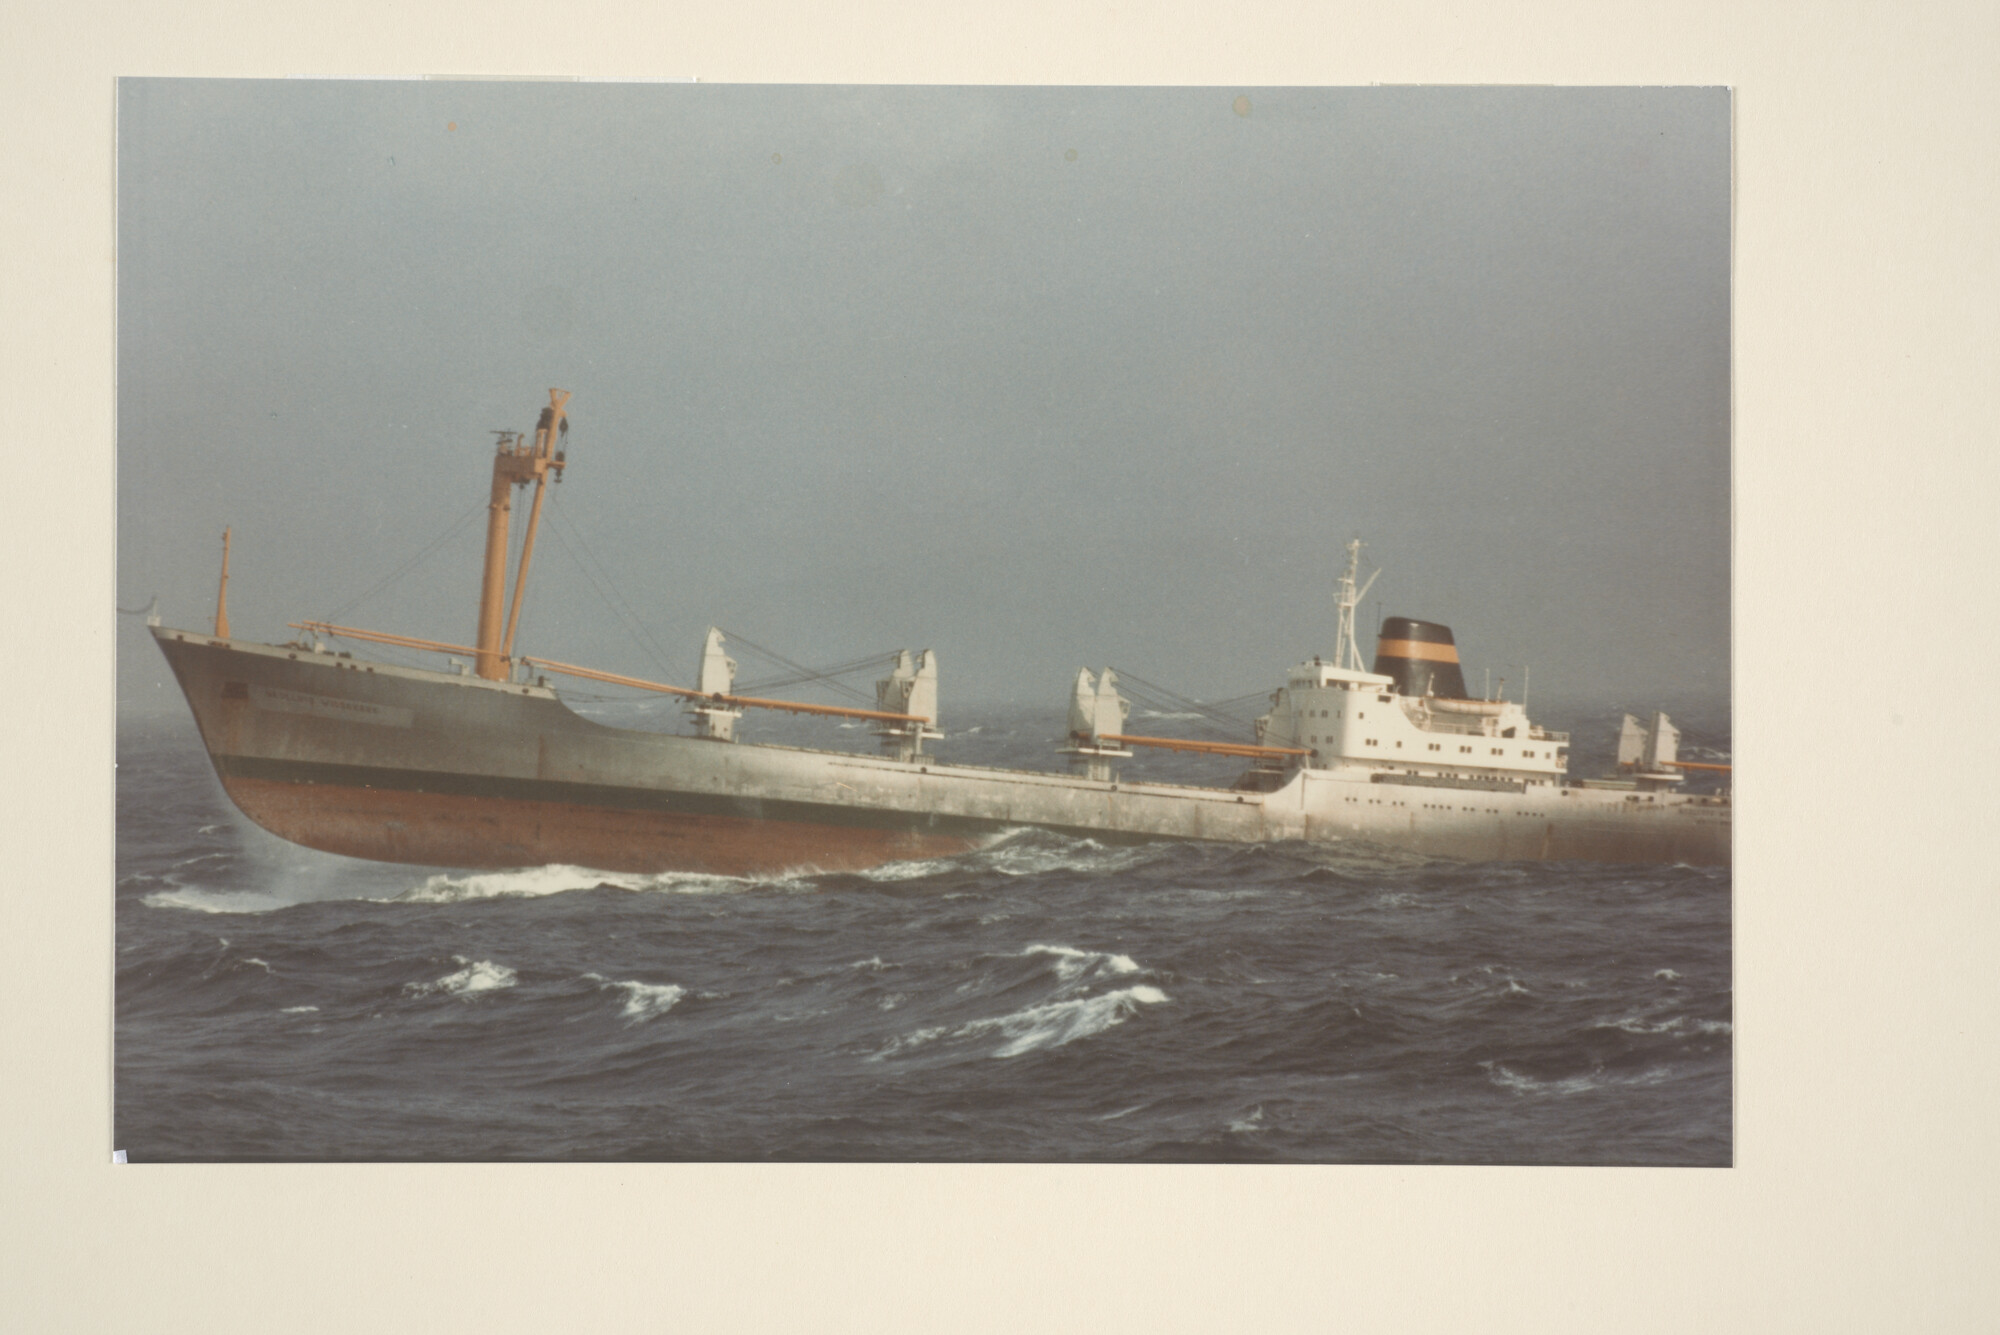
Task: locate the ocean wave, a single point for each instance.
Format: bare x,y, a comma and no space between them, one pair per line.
1049,1025
1072,964
643,1001
195,900
475,977
1575,1084
1014,853
1018,852
556,879
915,869
1027,852
297,1010
1680,1024
1058,1022
1253,1121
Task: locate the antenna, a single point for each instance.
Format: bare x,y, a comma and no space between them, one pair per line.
1345,653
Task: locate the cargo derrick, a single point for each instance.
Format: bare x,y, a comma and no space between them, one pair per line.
515,464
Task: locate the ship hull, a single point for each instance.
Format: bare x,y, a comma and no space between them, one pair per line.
403,765
454,829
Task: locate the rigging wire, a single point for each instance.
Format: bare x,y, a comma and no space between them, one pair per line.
403,569
1212,719
621,611
872,662
807,674
615,601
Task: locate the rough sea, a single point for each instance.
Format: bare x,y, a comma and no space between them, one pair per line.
1041,999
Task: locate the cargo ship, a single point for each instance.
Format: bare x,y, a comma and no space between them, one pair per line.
484,765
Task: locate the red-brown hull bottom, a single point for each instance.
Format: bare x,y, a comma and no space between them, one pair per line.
446,830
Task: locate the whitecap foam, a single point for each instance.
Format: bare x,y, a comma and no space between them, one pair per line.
1254,1121
214,901
1072,963
1668,974
643,1001
914,1039
1680,1024
477,976
913,870
1056,1023
1575,1084
1033,1028
1060,1022
556,879
1027,852
298,1010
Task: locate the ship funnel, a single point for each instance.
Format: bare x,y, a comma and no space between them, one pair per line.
1421,656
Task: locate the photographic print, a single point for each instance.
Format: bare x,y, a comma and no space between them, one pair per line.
684,622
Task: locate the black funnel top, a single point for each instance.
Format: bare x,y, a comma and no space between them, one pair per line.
1421,656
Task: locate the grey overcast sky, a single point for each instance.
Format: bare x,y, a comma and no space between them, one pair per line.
1039,378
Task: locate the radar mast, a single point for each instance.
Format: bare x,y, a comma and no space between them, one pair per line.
1346,654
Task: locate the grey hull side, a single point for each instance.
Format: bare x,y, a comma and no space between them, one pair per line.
414,766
